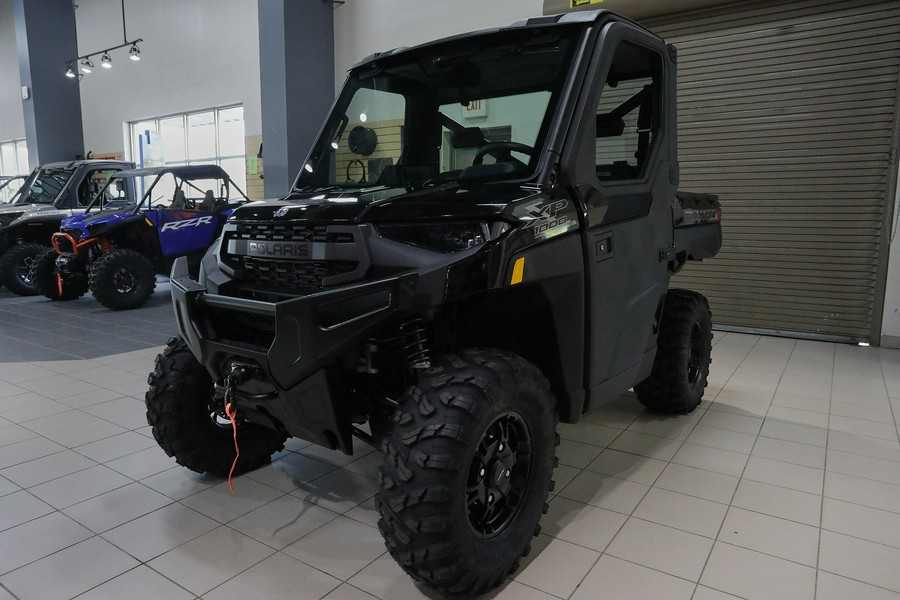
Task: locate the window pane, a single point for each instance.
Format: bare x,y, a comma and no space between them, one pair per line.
137,130
21,158
201,136
8,159
231,132
235,169
172,131
625,121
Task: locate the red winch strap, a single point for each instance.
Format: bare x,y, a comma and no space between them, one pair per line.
231,411
59,284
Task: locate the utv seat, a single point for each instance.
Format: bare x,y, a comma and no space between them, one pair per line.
209,202
178,201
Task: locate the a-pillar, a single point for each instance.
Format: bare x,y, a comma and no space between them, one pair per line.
46,38
296,73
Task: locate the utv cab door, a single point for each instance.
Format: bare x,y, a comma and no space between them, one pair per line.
625,182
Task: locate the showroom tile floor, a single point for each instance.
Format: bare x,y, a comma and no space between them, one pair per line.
785,484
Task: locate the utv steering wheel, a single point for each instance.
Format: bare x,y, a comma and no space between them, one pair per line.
502,150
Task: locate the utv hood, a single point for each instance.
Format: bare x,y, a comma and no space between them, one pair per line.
93,223
10,213
381,204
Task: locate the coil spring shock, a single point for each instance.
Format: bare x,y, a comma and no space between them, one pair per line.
415,344
105,245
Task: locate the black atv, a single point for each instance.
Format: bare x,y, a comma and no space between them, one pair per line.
117,248
52,191
478,246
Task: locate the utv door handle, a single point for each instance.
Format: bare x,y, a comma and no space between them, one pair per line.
603,246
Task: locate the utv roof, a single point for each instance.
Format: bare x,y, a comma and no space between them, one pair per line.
71,164
183,171
586,17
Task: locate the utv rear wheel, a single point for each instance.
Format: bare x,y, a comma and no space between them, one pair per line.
467,470
189,427
15,268
683,351
122,279
47,283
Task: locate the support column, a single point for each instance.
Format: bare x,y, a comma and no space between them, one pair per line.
296,73
46,38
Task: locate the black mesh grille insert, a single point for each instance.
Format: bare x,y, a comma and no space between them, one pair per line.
274,232
287,276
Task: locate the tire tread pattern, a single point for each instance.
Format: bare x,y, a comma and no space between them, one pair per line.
437,421
177,400
43,277
101,280
667,390
9,264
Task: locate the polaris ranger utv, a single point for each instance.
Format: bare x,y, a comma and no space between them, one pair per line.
51,192
479,245
117,252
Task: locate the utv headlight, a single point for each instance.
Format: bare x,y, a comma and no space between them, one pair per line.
440,237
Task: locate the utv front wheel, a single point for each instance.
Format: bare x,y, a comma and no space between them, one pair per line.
683,350
188,426
15,268
122,279
46,280
467,470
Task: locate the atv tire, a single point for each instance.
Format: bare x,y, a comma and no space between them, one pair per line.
684,345
15,268
122,279
187,425
467,469
45,280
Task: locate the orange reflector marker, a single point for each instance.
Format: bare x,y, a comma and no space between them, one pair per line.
518,271
149,222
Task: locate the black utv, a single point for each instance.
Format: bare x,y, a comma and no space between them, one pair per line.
478,246
51,192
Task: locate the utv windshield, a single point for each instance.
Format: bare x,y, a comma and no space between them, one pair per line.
473,109
43,186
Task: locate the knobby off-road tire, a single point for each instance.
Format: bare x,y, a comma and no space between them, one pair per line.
43,277
122,279
15,268
467,469
187,427
683,350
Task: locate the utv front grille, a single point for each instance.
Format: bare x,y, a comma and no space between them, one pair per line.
292,276
277,232
293,259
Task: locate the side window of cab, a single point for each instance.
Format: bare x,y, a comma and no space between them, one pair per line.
93,183
628,113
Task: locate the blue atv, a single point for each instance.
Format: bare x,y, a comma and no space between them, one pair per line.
117,252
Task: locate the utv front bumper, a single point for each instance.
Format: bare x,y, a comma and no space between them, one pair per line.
294,385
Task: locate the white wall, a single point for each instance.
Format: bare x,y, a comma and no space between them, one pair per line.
890,326
12,118
362,27
195,55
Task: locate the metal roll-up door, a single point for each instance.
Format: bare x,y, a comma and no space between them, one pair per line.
787,110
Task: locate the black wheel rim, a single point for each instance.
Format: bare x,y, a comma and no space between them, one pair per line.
23,271
695,359
125,280
498,475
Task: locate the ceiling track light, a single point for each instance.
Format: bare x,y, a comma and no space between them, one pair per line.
134,53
